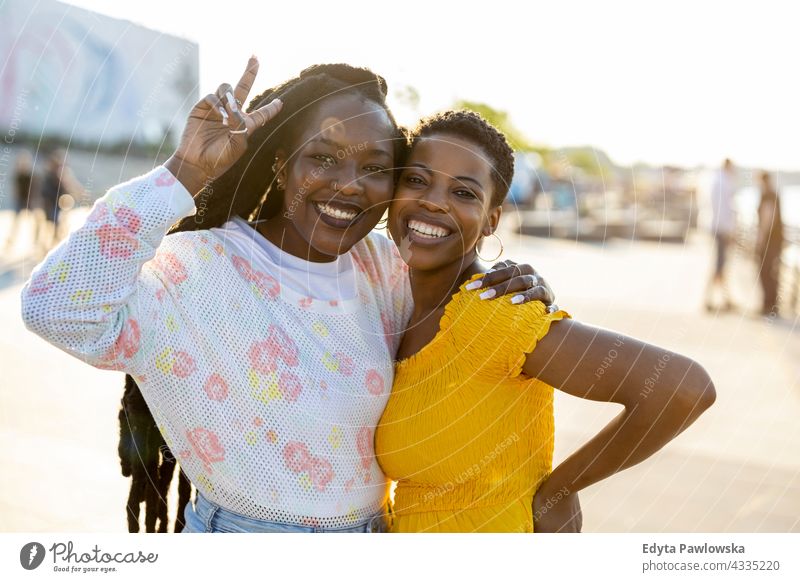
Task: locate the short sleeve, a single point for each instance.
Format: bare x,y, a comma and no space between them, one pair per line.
496,335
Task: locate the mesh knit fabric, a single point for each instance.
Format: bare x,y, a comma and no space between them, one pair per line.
268,397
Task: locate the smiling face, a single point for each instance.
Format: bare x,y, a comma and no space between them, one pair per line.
338,178
443,203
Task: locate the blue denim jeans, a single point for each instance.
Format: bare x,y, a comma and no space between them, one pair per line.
204,516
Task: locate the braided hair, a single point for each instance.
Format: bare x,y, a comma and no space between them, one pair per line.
472,127
244,190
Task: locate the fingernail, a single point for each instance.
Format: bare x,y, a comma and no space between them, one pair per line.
473,285
517,299
488,294
231,101
278,102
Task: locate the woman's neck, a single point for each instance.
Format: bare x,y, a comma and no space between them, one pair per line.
285,236
432,290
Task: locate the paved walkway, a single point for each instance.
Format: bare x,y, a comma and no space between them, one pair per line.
736,469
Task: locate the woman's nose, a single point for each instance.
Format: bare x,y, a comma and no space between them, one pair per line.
435,200
348,180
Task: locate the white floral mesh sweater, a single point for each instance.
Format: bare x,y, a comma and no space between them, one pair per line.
268,398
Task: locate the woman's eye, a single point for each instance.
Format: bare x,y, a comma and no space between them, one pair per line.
376,169
414,180
324,158
465,194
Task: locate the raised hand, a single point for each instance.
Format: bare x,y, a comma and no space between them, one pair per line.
216,131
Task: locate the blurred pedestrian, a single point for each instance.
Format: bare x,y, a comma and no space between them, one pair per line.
26,197
769,244
723,227
58,182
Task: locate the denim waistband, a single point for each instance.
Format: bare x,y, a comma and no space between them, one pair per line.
204,516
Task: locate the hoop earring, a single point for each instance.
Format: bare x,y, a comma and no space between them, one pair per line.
494,234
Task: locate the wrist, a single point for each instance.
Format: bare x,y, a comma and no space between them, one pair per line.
192,177
555,485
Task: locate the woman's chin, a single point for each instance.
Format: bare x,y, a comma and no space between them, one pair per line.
333,246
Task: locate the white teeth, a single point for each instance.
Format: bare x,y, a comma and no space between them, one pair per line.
428,230
335,212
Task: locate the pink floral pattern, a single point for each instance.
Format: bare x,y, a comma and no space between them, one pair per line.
40,283
287,349
346,365
171,267
184,365
99,212
165,179
128,218
386,321
321,473
207,446
127,343
116,242
216,387
266,284
299,460
296,456
263,356
365,445
374,382
290,386
367,267
243,267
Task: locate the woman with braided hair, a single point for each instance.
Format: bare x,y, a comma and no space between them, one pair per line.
258,337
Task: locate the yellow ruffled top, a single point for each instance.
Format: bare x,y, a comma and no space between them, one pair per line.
465,434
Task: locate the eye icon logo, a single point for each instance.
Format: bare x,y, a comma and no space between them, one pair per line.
31,555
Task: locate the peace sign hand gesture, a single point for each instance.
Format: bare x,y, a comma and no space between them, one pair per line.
216,132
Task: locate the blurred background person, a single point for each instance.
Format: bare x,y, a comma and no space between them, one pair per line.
26,197
769,244
59,188
723,226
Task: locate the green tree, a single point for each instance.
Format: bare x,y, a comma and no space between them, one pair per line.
501,121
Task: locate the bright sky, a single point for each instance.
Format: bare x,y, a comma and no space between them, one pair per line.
669,82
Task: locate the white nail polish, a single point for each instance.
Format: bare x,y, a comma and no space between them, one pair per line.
224,115
473,285
517,299
231,101
488,294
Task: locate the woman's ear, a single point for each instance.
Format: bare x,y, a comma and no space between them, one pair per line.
279,167
494,220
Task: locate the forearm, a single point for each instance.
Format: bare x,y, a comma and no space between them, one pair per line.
76,299
635,434
662,392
